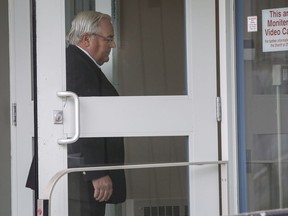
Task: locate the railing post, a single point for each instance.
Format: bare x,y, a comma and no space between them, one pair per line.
42,207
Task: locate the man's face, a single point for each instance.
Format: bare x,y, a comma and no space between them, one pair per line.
100,44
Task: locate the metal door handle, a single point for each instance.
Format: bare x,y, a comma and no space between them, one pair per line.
77,117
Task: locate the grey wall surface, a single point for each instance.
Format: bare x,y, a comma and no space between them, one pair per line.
5,162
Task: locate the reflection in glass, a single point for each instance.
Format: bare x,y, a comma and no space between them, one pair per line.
267,171
156,189
150,53
156,149
151,192
263,103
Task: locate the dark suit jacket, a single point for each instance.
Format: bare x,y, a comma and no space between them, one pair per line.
86,79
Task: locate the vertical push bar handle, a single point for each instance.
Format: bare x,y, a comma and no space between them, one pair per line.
77,117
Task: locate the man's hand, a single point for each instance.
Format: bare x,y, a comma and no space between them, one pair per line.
103,188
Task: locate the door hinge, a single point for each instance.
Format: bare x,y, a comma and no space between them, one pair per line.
14,114
218,109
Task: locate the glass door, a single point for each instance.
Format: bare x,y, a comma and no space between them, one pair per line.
165,112
262,103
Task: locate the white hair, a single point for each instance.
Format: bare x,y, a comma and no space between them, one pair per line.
86,22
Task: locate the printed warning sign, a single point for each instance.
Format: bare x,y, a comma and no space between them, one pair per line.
275,29
252,24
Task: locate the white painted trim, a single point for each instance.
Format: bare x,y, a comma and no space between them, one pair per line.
203,141
50,80
20,89
229,99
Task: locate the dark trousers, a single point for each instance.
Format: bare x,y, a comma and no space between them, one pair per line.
96,208
81,200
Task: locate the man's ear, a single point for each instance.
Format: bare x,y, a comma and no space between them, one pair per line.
85,40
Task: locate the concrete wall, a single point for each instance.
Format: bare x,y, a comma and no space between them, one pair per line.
5,162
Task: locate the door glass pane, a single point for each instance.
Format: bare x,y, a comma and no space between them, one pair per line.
262,95
147,57
150,54
148,190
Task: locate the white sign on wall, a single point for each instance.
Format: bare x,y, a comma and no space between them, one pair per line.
275,29
252,25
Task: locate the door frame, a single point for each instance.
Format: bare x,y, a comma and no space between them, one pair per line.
229,129
22,44
22,131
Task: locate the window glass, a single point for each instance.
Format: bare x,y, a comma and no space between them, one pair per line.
150,54
147,189
262,72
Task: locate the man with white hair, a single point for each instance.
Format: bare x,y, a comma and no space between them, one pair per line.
91,39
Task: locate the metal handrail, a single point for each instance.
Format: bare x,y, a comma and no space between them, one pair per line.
265,161
44,204
275,212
